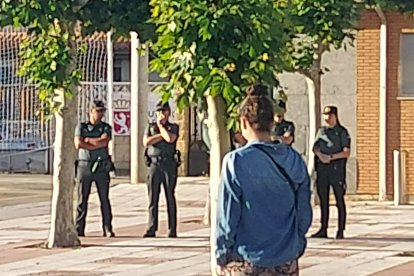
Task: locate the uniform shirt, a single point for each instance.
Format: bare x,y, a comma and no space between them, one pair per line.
89,130
285,126
162,148
332,140
256,219
233,143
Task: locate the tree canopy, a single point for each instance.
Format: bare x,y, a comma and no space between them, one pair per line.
217,47
54,27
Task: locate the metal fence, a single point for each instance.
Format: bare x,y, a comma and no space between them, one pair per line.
25,137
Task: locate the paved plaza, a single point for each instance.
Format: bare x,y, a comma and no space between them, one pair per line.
380,237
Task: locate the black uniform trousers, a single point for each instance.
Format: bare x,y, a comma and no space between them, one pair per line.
85,179
165,173
328,175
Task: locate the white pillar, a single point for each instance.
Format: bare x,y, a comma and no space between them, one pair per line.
399,177
382,194
110,78
135,141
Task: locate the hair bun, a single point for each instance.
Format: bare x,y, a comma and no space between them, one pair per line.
257,90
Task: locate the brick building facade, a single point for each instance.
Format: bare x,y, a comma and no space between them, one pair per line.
399,100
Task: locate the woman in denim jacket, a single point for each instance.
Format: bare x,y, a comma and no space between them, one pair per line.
264,208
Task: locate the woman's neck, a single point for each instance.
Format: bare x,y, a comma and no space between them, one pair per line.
261,136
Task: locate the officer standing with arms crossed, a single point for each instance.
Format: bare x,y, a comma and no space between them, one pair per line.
332,149
284,130
160,139
94,164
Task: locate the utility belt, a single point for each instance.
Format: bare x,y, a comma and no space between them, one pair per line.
338,164
160,159
98,165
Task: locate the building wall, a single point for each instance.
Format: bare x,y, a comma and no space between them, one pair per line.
368,83
400,118
122,155
338,88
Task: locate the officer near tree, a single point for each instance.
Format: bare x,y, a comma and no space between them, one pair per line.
160,140
93,165
284,130
332,149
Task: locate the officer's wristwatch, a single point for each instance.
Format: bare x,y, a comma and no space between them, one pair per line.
331,156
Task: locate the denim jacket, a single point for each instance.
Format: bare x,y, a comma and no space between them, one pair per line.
257,218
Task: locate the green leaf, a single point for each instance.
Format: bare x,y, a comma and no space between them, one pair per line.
202,86
215,90
53,65
165,96
228,92
300,29
233,53
182,102
252,52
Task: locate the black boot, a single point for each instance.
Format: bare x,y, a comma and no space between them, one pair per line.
149,234
320,234
172,234
108,233
340,235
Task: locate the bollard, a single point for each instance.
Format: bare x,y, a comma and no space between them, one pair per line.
399,177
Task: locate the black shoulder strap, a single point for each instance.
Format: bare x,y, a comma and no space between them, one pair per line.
292,184
83,126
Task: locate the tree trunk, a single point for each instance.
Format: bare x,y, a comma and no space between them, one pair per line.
314,100
62,229
207,210
220,145
313,82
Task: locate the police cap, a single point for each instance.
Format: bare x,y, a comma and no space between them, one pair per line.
98,105
280,107
330,110
161,106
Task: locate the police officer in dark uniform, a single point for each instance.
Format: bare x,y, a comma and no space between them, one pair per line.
284,130
332,149
236,140
93,165
160,139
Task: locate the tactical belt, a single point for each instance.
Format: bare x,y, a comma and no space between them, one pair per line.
160,158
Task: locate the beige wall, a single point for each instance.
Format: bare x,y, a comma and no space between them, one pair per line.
121,155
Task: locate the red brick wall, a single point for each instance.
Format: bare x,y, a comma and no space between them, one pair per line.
368,83
401,121
400,112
